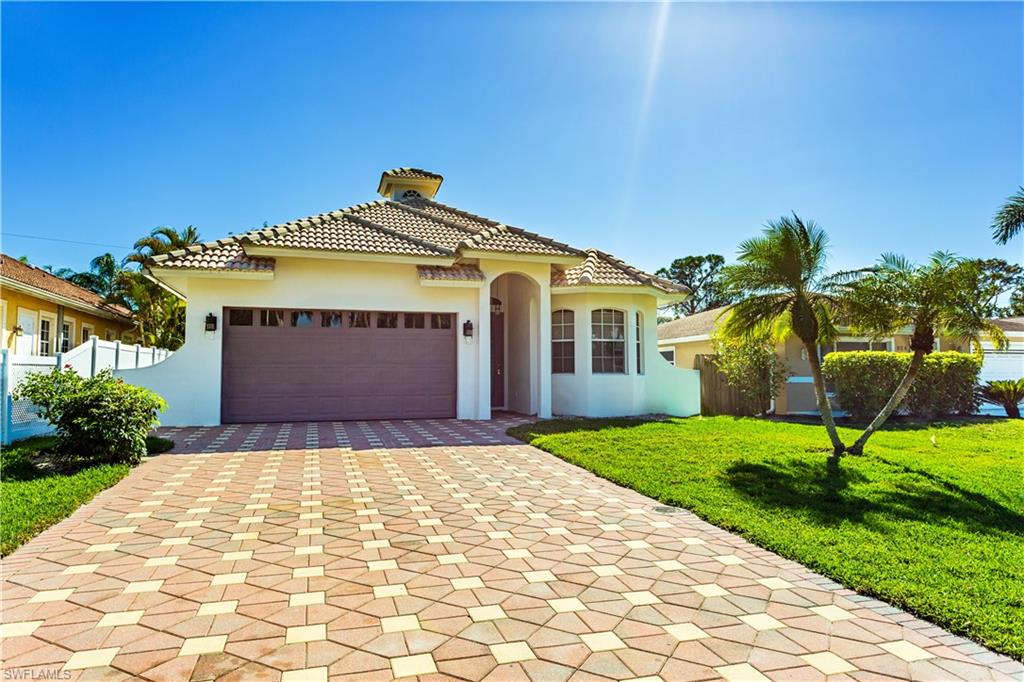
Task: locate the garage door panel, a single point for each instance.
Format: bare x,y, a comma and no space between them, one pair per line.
322,373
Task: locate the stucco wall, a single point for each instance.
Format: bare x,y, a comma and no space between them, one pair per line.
190,380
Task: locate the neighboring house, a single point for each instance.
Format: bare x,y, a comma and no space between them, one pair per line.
43,314
679,341
1008,363
407,308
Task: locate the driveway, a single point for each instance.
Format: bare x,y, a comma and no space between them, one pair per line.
371,550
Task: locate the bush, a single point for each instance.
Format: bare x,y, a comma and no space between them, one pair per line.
101,419
863,381
753,367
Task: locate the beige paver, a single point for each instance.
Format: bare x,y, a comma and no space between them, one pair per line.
456,553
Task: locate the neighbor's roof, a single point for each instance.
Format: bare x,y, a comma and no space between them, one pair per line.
1010,324
411,227
698,324
47,283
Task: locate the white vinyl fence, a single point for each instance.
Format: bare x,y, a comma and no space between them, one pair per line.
19,418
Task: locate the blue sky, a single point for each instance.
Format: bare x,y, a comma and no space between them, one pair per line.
647,131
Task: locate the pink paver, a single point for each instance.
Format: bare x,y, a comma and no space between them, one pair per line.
368,550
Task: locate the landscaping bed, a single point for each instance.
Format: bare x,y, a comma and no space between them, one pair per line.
34,495
931,519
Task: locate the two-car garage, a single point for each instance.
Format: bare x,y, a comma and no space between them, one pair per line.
335,365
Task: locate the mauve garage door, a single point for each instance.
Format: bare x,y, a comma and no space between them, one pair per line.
333,365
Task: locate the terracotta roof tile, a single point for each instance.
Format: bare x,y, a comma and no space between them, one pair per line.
465,273
226,254
30,275
406,172
601,268
415,226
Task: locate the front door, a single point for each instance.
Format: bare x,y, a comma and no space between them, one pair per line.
497,354
25,344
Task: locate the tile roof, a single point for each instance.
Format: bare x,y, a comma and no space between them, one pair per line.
414,226
13,269
602,269
418,173
463,273
697,324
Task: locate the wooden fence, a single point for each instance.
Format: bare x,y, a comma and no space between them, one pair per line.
717,396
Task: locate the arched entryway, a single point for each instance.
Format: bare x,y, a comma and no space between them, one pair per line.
515,343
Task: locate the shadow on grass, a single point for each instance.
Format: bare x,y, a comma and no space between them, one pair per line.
831,493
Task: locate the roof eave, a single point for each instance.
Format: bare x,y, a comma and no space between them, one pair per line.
285,252
67,301
522,257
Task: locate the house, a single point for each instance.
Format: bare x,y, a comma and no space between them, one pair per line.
681,340
1007,363
43,314
404,307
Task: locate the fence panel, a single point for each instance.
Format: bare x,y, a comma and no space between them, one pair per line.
19,419
717,395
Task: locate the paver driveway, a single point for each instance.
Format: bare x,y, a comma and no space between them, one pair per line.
391,549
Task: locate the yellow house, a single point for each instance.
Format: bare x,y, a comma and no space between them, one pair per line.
681,340
43,314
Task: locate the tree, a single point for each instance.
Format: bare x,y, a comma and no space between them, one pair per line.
1010,218
702,275
753,366
943,296
998,278
162,240
104,277
780,284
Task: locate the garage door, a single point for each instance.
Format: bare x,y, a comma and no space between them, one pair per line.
333,365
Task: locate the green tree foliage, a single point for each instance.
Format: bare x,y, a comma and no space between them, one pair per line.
997,278
99,419
752,365
781,285
702,275
943,296
1010,218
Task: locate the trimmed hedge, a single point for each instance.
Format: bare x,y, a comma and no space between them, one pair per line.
862,382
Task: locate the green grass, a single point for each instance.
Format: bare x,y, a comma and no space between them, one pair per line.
930,519
32,500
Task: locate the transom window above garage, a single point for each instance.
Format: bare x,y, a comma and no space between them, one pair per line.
336,319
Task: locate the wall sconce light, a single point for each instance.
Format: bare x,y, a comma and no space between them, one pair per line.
211,323
467,329
18,330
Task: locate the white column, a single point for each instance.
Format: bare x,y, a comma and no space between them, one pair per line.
483,348
544,352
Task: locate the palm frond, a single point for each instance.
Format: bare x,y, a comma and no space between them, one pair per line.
1010,219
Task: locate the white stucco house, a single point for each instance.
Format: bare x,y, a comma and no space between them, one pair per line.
407,308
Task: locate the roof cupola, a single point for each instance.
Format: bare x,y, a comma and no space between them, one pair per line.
403,183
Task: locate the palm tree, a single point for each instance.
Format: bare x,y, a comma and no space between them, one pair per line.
1010,219
781,285
162,240
105,277
942,296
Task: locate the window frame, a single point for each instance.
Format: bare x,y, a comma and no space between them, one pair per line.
88,331
638,321
569,341
620,341
70,339
51,321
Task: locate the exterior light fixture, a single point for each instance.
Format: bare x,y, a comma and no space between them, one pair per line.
467,329
18,330
211,323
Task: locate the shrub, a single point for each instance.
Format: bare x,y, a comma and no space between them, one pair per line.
752,365
1008,394
863,381
100,419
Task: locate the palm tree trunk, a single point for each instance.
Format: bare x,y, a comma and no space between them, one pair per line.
894,401
824,408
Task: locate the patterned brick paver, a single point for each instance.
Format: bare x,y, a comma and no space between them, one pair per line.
373,550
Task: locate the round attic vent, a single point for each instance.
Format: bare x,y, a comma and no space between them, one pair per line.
411,194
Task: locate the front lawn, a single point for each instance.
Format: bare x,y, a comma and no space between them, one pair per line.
32,500
930,519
